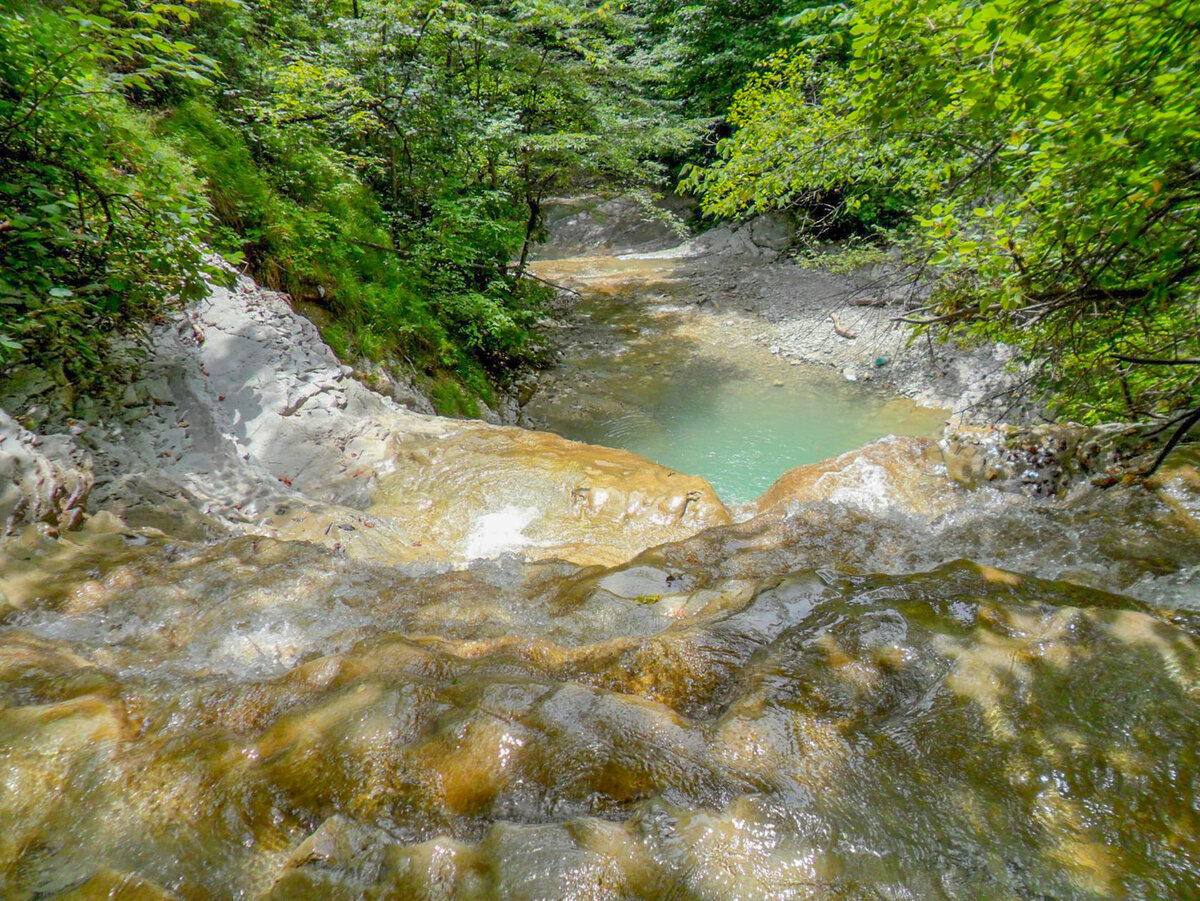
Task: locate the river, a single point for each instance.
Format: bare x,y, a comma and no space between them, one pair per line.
878,684
646,371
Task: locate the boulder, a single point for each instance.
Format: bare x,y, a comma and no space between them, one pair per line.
894,473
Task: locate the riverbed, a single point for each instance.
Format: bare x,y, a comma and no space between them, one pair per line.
648,370
265,634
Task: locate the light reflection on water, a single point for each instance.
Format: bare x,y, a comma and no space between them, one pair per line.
655,731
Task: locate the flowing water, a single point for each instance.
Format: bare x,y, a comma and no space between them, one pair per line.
645,372
751,714
888,687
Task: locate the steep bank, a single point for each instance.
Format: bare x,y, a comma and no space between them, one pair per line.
256,659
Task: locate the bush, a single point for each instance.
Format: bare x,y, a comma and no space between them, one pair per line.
1045,156
99,219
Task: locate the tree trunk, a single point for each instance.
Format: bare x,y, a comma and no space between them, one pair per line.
535,216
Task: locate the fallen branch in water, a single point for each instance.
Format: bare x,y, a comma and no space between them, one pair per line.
525,273
837,327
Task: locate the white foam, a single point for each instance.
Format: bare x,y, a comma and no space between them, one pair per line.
496,533
270,646
862,484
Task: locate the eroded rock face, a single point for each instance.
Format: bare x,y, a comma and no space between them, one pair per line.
975,466
245,416
40,482
900,503
480,492
243,405
595,224
763,237
893,474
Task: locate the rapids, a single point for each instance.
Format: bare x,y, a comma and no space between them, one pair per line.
454,661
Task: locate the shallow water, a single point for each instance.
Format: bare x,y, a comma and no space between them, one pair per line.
884,687
720,720
693,391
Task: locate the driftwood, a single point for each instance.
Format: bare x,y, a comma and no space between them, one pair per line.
837,327
868,302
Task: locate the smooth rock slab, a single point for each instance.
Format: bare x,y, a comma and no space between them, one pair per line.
246,414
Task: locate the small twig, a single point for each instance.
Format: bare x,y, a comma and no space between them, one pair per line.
949,317
1158,430
837,327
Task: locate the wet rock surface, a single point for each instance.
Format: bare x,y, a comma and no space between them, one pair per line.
761,711
42,482
826,700
306,644
244,419
1048,461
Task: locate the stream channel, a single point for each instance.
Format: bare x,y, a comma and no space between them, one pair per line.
271,661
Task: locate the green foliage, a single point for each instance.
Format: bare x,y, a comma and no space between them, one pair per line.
797,146
1045,156
388,159
99,219
715,45
472,115
449,399
439,129
306,226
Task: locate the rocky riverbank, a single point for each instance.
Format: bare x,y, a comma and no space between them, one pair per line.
742,276
243,421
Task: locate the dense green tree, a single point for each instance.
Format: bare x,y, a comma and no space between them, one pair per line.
713,46
389,159
1046,154
99,219
463,118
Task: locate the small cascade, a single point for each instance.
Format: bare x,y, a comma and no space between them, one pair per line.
271,636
